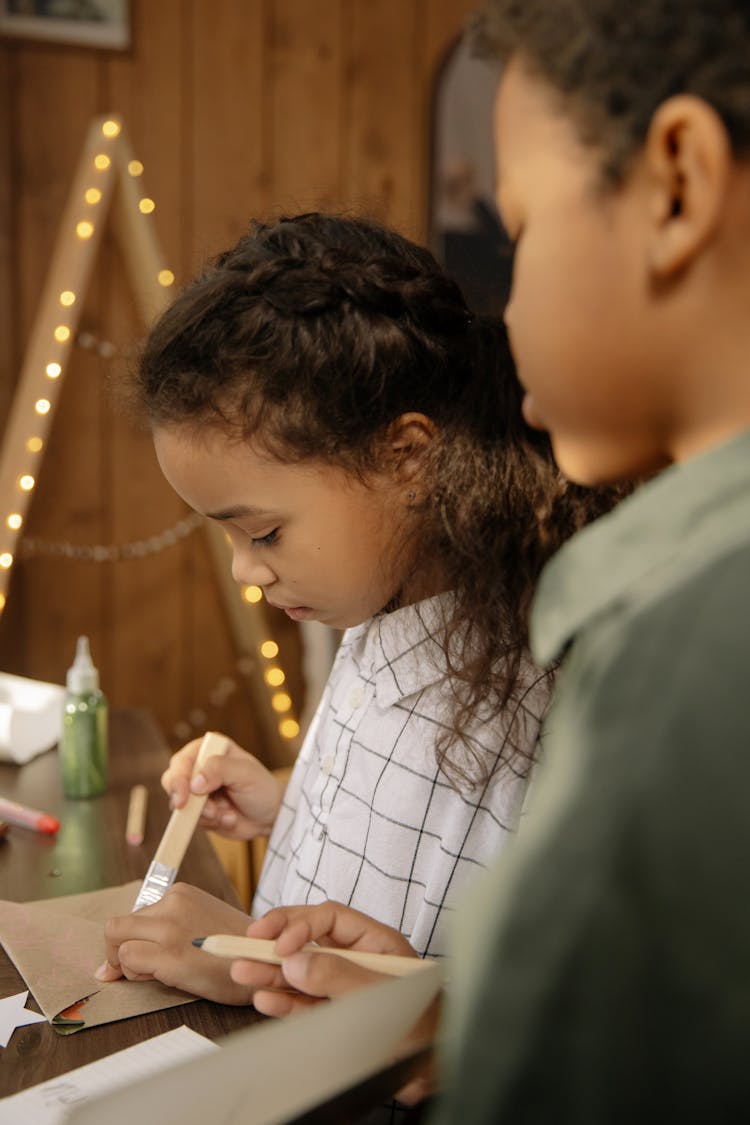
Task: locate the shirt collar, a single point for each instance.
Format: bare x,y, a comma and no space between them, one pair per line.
681,518
401,651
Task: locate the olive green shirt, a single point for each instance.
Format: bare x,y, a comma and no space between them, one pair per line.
601,971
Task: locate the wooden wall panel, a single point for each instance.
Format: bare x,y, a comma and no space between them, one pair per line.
305,104
237,108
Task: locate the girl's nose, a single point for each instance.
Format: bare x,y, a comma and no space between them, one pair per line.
249,570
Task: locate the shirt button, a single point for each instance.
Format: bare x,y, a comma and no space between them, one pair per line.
327,765
356,696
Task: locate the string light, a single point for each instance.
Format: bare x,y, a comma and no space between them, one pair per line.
289,728
280,701
53,369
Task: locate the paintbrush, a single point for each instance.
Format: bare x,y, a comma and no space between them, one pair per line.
178,833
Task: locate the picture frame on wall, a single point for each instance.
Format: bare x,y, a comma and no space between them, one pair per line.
78,23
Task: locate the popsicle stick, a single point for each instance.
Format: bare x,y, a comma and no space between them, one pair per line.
182,822
260,949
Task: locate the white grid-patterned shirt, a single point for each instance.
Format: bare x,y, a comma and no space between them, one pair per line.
368,819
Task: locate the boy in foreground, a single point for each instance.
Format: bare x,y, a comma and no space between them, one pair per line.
601,971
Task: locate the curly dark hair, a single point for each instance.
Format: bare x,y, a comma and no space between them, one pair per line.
316,333
614,61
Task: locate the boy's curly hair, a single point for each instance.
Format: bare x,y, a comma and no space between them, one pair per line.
317,332
614,61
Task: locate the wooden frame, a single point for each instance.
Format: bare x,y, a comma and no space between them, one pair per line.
30,19
106,183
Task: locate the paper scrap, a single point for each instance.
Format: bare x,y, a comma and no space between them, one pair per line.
48,1102
14,1013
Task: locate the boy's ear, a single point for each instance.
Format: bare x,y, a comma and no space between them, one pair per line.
409,438
688,157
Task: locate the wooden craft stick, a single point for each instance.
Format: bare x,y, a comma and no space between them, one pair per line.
259,949
135,827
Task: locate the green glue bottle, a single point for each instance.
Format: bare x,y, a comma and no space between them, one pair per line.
83,746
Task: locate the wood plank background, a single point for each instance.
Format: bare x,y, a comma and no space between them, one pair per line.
238,109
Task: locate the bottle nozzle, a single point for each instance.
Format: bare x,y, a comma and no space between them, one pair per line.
82,675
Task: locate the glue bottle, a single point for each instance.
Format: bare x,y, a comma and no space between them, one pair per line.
83,745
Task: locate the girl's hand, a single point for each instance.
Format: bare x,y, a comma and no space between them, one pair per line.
245,796
155,943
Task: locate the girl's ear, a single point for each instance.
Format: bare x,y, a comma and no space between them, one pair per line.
409,438
688,161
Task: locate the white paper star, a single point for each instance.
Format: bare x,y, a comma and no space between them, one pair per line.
13,1014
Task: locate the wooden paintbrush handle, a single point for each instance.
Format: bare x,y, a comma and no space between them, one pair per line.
260,949
181,825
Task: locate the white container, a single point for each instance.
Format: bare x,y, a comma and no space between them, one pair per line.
30,717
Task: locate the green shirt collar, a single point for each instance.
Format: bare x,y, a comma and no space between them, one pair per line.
680,519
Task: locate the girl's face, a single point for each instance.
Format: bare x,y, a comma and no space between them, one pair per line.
578,316
321,545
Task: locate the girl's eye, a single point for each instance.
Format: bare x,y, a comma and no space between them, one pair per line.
266,540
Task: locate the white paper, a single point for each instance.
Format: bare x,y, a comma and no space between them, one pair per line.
14,1013
272,1072
30,717
48,1102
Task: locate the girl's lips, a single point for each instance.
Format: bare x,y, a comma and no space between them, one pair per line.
300,613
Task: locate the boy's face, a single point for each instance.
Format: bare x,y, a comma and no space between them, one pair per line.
315,541
576,317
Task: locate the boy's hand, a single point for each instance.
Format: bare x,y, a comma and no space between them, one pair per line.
317,978
155,943
244,796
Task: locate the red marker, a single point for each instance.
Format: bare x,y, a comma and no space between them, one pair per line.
28,818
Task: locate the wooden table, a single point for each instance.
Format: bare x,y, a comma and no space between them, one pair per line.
90,852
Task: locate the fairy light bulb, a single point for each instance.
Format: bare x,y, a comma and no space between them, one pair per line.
269,649
146,205
2,602
135,168
34,444
280,701
252,594
42,406
93,196
165,278
67,298
53,371
101,162
14,521
111,128
26,482
6,560
84,229
274,677
61,333
288,728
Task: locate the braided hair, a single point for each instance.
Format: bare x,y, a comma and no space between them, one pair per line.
314,334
